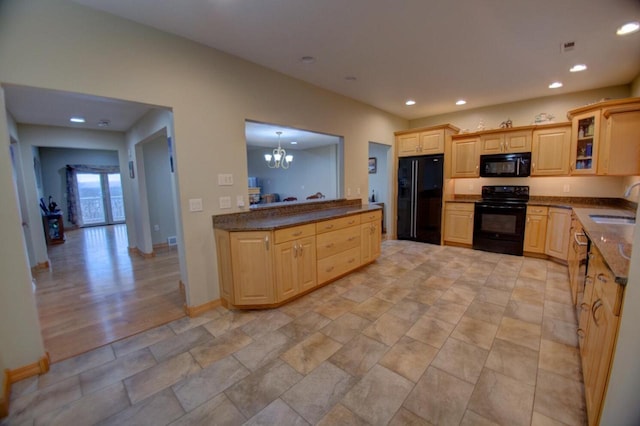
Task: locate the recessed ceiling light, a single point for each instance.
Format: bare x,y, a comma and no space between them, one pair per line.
578,68
77,120
555,85
410,102
351,78
294,143
308,60
628,28
461,102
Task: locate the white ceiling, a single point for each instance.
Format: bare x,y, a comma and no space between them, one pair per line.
30,105
434,51
486,51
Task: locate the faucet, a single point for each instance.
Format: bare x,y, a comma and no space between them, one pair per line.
630,187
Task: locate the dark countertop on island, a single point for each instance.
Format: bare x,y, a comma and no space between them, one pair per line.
284,216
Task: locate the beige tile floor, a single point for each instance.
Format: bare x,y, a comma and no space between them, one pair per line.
425,335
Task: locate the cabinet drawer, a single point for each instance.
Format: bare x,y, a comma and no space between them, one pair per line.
288,234
611,290
538,210
331,243
335,224
371,216
463,207
338,264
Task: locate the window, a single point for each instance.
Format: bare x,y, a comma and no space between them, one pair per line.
100,196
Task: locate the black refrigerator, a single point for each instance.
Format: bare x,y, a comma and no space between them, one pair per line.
420,198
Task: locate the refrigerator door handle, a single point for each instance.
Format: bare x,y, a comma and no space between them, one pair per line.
414,213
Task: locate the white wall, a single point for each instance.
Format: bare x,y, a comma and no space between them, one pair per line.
578,186
522,113
53,162
158,184
210,93
312,170
380,181
19,326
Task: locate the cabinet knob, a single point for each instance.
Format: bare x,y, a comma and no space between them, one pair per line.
533,166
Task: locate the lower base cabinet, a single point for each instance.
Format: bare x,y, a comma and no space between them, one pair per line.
458,223
535,231
558,233
266,268
598,332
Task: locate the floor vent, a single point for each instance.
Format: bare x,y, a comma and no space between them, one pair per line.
172,241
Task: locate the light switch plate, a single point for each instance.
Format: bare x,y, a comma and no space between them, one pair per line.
225,202
225,179
195,204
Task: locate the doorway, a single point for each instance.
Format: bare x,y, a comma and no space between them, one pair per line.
94,288
379,179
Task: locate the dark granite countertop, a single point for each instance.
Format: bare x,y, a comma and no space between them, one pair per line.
284,216
612,241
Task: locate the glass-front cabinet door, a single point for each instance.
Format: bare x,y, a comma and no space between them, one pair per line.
585,133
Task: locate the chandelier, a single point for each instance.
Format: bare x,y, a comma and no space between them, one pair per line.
280,158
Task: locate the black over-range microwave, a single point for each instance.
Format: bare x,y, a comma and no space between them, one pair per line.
506,165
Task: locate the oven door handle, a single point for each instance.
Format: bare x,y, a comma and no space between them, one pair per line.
505,207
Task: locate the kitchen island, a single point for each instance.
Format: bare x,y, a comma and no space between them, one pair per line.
271,255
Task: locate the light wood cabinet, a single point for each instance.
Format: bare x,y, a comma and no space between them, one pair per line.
424,141
458,223
535,231
550,150
558,233
295,263
584,143
601,316
620,146
267,268
252,267
606,138
370,238
465,157
505,142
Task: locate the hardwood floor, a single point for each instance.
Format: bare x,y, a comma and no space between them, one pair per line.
96,292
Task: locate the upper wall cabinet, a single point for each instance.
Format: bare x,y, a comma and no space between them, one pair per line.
506,142
606,138
620,144
425,141
550,150
465,157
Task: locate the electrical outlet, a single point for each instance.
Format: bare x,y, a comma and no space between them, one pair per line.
566,188
195,204
225,179
348,192
156,227
358,191
240,201
225,202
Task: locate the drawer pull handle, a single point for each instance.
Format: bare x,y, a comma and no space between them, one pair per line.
575,237
581,333
351,222
584,306
329,269
602,278
295,234
330,245
595,308
351,260
266,242
328,227
351,238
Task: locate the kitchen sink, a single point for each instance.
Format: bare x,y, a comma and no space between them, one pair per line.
613,220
